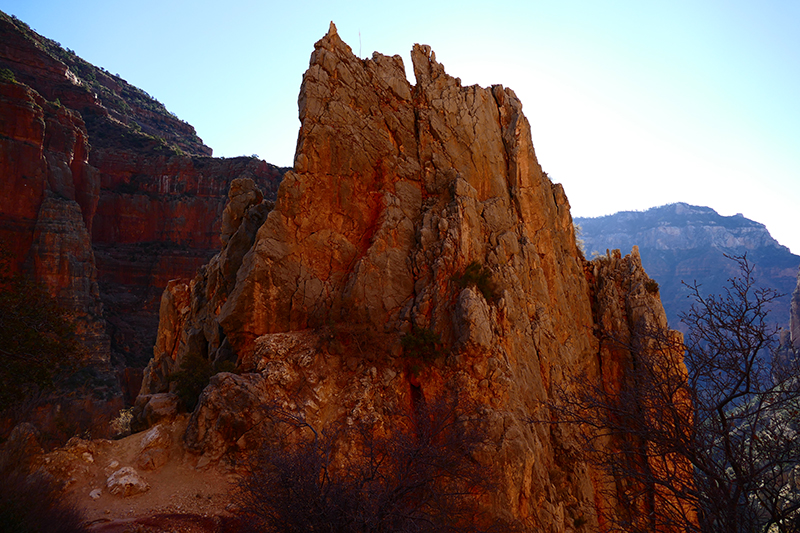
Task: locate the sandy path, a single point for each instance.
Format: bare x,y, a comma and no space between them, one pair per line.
177,487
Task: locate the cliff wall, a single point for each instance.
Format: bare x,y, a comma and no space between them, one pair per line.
47,192
106,196
396,191
686,243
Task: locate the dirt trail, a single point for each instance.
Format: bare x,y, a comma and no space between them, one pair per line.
181,497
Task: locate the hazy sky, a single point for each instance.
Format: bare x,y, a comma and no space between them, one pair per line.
632,104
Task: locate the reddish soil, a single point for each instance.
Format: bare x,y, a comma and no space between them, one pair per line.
181,498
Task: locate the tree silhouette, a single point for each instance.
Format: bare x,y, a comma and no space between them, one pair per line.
37,340
711,446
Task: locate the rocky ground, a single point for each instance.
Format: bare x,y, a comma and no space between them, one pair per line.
144,483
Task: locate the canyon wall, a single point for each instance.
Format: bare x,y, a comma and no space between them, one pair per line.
106,196
397,192
687,243
47,192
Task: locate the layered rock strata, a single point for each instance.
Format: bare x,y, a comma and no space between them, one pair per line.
105,195
47,192
396,190
686,243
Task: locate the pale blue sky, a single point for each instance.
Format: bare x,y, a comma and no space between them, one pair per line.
632,104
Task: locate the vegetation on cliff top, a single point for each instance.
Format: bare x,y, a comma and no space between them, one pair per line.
128,104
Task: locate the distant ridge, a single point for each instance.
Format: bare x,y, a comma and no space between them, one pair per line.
683,242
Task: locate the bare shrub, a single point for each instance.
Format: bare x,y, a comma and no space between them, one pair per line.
30,500
711,446
419,476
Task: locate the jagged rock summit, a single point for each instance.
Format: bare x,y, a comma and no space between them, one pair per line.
396,191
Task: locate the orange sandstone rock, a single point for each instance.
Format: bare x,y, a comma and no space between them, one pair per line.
395,190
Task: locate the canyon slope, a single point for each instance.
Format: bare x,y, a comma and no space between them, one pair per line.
105,195
397,192
686,243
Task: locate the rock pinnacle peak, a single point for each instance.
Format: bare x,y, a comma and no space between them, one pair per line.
396,193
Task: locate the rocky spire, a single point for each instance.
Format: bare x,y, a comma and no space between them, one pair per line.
396,191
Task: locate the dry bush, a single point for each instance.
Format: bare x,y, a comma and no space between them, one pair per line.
31,501
418,477
708,447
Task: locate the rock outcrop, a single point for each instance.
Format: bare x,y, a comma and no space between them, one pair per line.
396,191
794,316
685,243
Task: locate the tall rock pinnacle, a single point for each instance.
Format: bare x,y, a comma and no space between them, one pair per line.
396,190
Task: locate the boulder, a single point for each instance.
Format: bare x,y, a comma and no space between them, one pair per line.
150,409
126,482
155,448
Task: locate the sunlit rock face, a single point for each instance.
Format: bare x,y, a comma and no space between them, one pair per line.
396,189
794,316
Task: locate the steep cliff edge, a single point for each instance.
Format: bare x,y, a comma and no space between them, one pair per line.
396,191
106,196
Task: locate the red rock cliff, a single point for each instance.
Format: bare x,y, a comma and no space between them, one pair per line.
47,193
106,196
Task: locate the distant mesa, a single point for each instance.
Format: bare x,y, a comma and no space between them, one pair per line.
685,243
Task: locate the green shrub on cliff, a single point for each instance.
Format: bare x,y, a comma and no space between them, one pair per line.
478,276
422,343
7,75
194,375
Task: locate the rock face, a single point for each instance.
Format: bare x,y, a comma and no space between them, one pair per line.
48,191
396,190
794,316
681,242
105,195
